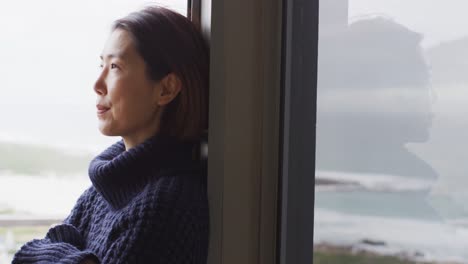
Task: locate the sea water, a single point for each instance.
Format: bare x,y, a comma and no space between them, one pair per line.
401,215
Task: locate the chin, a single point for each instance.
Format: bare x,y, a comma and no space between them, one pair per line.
107,131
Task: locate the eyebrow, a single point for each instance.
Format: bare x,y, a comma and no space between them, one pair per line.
112,55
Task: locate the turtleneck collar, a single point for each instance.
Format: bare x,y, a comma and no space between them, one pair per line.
118,175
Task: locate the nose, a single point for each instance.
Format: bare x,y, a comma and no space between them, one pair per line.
100,84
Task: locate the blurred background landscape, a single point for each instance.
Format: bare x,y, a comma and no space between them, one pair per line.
48,125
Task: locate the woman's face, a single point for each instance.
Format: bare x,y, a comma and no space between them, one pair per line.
126,98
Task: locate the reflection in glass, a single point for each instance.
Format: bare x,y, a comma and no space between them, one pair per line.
374,98
375,178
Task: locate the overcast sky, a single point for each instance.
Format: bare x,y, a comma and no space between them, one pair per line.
49,60
49,57
439,20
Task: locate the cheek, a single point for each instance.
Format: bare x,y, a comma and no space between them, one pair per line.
132,108
125,111
120,94
131,99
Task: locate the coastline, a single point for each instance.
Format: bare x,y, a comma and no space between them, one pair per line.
331,254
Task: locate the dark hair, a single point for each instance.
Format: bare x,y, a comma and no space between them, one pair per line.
171,43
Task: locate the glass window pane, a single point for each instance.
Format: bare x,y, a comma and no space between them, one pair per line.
392,120
49,61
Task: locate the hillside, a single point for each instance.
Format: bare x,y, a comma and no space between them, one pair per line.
34,160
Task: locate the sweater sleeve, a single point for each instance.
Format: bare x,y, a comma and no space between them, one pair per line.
64,243
171,228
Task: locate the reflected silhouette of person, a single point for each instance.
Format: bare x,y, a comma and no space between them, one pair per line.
373,99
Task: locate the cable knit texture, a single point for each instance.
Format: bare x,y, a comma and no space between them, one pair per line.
146,205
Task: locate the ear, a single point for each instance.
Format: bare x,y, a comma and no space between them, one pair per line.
168,89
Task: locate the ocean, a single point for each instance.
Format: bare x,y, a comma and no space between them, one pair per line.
391,215
45,195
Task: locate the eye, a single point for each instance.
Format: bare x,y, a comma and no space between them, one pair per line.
114,66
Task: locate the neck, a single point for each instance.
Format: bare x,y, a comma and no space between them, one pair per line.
132,140
120,174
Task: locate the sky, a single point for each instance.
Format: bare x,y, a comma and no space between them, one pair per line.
49,58
439,20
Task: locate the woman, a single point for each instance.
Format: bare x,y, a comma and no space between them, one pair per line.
148,201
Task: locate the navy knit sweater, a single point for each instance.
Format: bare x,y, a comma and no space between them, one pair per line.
146,205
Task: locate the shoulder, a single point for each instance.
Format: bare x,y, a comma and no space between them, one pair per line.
178,187
181,185
171,206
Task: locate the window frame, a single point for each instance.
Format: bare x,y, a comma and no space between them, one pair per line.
299,111
244,130
256,92
194,11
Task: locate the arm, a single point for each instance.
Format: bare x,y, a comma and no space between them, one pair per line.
64,243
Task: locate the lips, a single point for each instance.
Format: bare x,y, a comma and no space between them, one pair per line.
101,109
